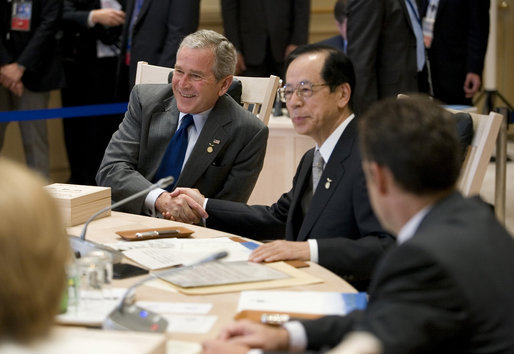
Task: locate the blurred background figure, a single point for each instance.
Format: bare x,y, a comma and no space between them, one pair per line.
29,70
341,18
265,32
152,32
34,249
90,44
385,44
456,34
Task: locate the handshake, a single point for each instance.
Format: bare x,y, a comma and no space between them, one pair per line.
183,204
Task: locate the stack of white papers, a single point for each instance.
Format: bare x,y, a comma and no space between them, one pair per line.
164,253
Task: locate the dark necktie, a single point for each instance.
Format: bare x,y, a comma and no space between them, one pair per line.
173,159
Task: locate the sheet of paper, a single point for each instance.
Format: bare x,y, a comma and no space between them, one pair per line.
176,307
218,273
189,323
93,307
311,302
182,347
164,253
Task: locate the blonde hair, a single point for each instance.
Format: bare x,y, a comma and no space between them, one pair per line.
34,249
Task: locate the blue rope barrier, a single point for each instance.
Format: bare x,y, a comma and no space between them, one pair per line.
66,112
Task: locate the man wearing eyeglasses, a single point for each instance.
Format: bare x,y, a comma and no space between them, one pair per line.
326,217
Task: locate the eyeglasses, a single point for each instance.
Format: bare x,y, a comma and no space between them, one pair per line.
304,90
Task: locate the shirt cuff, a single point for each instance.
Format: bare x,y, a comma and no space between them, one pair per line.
150,201
297,336
255,351
313,249
204,220
90,19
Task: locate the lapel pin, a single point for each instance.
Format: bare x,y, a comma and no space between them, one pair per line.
327,183
216,141
210,148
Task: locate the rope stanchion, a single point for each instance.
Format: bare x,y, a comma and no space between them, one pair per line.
66,112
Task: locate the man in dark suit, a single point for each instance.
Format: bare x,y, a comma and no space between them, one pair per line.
382,47
29,69
90,45
153,31
457,48
447,286
226,144
341,18
333,223
265,32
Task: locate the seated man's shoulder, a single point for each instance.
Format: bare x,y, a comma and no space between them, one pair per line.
153,92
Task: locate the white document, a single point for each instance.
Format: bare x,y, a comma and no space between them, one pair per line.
164,253
176,307
189,323
93,307
220,273
183,347
308,302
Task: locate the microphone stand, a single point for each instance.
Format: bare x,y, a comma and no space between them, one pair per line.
81,246
135,318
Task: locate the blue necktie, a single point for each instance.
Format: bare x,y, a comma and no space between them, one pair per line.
173,159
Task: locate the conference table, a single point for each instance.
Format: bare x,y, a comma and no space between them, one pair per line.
224,305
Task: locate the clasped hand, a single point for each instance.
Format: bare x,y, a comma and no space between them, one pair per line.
183,204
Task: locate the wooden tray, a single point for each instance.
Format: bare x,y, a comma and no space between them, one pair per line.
130,235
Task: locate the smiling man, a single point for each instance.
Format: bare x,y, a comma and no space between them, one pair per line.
330,222
190,129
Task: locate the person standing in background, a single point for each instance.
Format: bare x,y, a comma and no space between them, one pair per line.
456,34
385,43
341,18
90,43
29,69
265,32
152,32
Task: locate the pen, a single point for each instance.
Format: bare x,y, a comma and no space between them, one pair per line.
276,319
157,233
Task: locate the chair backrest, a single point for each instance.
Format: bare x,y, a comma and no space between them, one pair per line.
486,128
258,92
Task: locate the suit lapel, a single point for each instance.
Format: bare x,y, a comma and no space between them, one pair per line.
162,126
210,144
330,179
301,185
142,12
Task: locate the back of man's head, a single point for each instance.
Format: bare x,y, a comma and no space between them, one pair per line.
416,140
337,70
225,55
341,10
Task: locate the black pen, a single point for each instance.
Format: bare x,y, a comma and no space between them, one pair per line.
157,233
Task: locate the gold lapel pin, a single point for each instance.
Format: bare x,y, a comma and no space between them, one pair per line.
210,148
327,183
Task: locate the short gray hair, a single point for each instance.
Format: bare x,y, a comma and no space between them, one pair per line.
225,56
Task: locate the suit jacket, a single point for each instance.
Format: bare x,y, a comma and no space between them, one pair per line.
250,24
36,49
79,40
461,31
137,148
446,290
160,27
350,238
382,48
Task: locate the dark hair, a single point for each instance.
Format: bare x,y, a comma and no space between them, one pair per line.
341,10
416,139
337,70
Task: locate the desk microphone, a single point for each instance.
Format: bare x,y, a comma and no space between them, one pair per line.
81,246
134,318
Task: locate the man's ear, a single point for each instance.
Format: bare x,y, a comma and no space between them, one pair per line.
380,177
225,85
345,92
